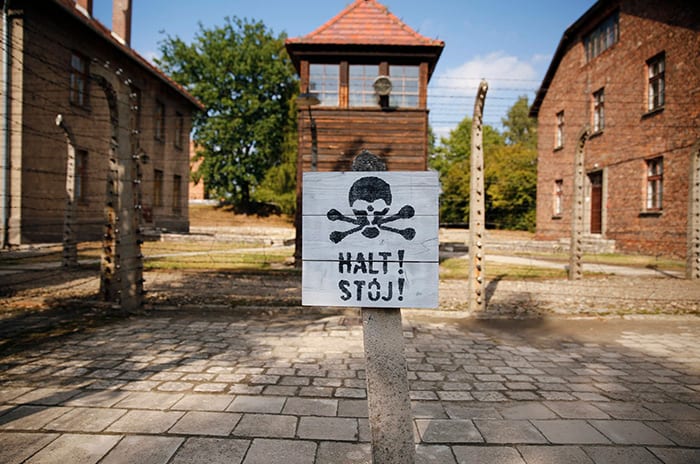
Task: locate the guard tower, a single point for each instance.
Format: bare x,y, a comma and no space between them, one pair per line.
364,83
370,73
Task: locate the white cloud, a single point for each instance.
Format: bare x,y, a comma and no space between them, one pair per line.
452,92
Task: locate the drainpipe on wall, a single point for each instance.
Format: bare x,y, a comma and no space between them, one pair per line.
5,203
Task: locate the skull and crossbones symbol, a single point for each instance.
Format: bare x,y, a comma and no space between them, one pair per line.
370,201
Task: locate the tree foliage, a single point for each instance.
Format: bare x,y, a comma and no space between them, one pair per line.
242,74
510,171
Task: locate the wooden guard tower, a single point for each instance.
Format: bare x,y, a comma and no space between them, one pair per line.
369,72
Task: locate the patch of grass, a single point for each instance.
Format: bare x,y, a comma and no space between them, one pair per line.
222,261
456,268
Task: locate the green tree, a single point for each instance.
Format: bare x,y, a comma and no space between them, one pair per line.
452,161
520,128
242,74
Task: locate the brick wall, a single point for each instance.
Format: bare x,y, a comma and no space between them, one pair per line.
631,135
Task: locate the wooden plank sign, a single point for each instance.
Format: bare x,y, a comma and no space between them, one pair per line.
370,239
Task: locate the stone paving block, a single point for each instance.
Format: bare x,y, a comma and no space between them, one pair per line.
30,417
448,431
554,455
203,402
350,393
489,396
145,422
471,411
328,428
16,447
75,449
455,396
683,433
104,398
206,423
353,408
428,410
344,453
267,404
85,420
140,385
630,432
677,455
675,411
569,431
495,454
149,400
46,396
527,410
264,451
266,426
508,431
9,393
433,454
211,451
143,450
310,407
575,410
621,454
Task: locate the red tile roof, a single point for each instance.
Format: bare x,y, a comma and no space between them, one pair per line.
366,22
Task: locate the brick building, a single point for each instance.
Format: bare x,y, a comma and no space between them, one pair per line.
51,51
630,71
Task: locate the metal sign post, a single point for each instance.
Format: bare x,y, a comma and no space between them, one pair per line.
370,240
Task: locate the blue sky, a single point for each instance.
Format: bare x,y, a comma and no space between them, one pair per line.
508,42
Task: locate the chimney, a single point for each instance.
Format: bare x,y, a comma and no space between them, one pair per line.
121,20
85,7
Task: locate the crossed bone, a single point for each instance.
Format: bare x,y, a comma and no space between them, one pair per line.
371,230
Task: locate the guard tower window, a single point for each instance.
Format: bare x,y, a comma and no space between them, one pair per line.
361,85
323,81
405,82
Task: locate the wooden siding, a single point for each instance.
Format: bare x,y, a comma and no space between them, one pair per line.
399,137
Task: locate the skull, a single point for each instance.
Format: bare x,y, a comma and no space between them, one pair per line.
370,196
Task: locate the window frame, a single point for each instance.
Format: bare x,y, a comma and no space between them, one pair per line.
159,121
558,203
599,110
602,37
179,130
403,86
158,179
324,84
361,92
81,176
79,76
559,132
177,194
654,184
656,82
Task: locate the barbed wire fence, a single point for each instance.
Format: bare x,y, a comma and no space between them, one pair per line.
123,263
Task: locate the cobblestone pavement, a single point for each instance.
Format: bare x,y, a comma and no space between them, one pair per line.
175,387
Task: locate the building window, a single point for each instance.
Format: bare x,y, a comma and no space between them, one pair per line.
177,190
655,183
81,176
78,80
361,85
157,187
159,121
405,82
558,198
324,82
604,36
599,110
657,82
559,137
179,130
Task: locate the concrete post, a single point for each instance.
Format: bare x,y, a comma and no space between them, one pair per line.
70,242
390,420
477,207
693,254
122,262
576,248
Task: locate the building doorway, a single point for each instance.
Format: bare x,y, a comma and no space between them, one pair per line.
596,182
